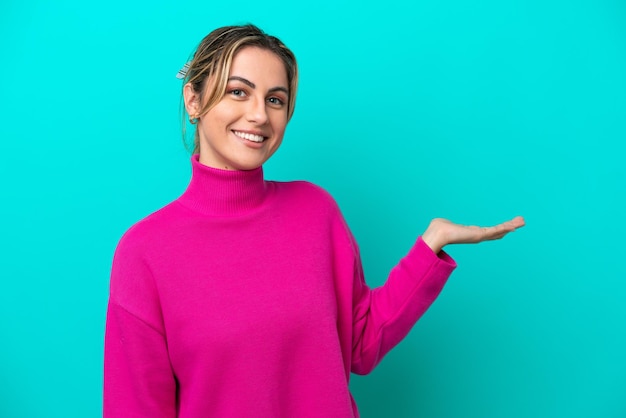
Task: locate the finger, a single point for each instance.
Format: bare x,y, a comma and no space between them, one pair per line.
503,229
513,224
518,221
497,231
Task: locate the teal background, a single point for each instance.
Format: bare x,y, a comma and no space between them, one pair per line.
473,111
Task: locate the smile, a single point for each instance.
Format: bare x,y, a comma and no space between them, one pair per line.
249,137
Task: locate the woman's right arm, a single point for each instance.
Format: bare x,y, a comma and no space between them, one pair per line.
138,378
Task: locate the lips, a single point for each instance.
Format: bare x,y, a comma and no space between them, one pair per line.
249,136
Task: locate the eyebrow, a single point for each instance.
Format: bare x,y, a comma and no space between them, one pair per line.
252,85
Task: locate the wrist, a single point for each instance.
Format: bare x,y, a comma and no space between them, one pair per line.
432,238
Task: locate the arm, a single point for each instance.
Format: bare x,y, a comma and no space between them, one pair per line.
138,378
383,316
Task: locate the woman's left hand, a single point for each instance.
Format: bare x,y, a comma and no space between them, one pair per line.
442,232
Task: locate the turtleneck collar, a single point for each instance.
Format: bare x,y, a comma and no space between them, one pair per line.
218,192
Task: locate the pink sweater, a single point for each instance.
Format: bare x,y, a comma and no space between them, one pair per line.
246,298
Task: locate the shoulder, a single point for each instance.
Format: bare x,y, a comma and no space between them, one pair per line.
306,193
315,203
149,229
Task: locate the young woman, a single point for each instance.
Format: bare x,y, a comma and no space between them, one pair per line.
245,297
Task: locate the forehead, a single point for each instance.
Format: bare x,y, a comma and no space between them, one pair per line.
260,66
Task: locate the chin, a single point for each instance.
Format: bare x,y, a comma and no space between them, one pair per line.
246,165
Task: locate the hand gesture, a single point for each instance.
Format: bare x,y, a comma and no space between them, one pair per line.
442,232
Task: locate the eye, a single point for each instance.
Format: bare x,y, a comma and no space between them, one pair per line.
237,92
276,101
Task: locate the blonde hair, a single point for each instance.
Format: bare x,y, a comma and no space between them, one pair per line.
210,66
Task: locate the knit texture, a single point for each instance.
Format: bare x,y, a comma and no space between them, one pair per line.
246,298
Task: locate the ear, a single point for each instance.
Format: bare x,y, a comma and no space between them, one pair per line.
192,100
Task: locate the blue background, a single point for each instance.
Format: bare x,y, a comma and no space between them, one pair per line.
473,111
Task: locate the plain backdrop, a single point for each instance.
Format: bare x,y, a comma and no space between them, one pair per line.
474,111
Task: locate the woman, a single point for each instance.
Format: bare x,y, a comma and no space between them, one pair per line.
245,297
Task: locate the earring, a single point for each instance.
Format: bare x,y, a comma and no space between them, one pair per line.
193,120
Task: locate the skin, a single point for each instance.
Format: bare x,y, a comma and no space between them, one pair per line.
255,102
442,232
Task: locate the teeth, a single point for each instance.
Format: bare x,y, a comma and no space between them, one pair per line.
249,137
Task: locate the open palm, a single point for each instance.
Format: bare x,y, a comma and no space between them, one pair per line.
442,232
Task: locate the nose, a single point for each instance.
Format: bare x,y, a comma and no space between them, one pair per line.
256,111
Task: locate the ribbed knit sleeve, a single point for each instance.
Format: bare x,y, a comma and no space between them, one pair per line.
383,316
138,378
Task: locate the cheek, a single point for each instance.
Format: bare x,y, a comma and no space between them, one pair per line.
279,123
222,114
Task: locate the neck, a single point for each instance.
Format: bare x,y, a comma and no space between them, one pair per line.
218,192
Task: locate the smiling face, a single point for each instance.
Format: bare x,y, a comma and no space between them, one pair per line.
246,127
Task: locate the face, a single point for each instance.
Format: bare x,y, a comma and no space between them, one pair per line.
247,126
